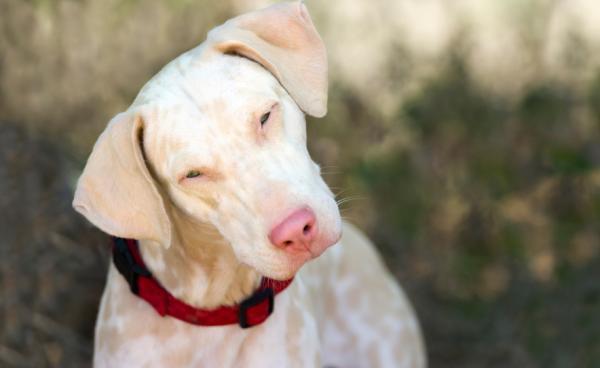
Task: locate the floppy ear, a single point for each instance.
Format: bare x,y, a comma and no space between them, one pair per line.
283,39
116,192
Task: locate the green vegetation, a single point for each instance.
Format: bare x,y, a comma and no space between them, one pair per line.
467,138
499,200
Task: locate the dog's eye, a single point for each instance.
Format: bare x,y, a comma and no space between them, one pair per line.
193,174
264,118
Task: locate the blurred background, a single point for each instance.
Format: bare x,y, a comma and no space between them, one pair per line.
465,134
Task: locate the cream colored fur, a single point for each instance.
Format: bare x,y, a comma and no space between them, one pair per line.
206,238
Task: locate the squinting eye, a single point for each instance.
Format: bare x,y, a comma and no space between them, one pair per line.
193,174
264,118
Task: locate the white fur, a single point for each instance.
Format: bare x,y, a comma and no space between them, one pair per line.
206,238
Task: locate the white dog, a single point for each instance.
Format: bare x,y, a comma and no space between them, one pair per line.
208,170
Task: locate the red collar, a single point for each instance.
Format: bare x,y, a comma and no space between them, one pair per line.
250,312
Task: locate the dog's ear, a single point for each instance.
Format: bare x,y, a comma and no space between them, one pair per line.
116,192
283,39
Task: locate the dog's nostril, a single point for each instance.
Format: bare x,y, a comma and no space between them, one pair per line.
306,229
298,230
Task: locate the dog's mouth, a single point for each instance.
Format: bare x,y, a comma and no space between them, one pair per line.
323,244
285,264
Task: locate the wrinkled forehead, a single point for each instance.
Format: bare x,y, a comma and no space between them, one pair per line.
225,84
209,102
227,79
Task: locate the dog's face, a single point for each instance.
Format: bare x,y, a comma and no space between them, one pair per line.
228,144
219,134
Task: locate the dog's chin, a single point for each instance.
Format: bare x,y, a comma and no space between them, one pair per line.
286,268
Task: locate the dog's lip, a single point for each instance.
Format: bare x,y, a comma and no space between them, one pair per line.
325,243
297,259
294,263
338,237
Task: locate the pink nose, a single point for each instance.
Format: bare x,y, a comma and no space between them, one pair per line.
296,232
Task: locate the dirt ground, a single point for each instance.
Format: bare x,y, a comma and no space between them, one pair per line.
53,266
464,134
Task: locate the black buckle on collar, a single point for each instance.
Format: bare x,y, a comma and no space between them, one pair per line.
256,299
126,264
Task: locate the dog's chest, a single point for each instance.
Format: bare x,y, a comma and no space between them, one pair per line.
130,333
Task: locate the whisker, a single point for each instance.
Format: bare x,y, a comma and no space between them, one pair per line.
349,199
340,192
325,167
348,219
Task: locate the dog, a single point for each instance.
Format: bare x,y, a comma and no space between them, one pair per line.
224,230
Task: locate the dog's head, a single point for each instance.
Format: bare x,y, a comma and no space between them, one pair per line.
219,135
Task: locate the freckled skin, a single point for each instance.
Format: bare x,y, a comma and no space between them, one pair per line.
314,323
343,309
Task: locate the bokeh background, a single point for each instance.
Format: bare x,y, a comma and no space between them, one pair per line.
465,135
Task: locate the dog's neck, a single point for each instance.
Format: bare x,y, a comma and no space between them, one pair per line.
199,267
